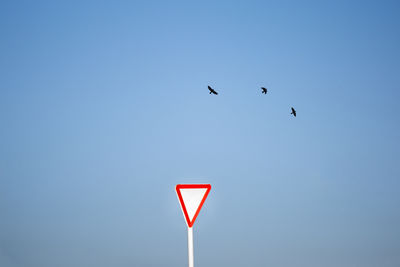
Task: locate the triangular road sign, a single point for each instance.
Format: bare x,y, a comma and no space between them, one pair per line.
192,197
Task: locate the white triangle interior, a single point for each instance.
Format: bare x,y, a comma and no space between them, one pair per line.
192,198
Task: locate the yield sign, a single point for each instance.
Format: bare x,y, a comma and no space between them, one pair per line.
192,197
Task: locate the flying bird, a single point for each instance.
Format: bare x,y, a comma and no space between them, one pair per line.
264,90
293,112
212,91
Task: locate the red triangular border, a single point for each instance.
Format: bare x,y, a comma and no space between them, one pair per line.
192,186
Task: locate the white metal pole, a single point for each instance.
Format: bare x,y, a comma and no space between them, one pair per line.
190,246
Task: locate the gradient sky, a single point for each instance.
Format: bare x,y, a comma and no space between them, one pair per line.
104,108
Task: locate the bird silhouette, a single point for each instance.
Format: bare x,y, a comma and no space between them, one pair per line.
264,90
212,91
293,112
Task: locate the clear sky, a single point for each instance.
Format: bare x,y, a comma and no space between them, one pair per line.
104,108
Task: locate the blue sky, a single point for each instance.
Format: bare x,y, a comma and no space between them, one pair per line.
104,108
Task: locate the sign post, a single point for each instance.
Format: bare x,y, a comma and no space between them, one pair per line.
190,247
191,197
